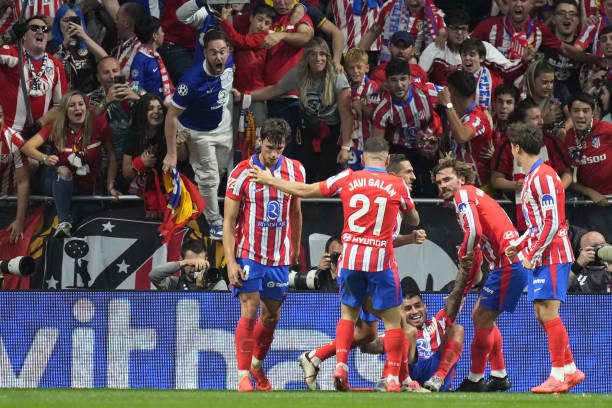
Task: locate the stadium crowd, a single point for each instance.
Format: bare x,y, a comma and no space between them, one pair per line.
102,97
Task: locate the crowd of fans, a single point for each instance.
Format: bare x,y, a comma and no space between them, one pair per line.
103,96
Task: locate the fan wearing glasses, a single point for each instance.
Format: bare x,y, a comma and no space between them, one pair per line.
44,76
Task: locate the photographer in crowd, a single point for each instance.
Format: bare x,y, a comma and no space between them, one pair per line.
328,266
195,271
590,273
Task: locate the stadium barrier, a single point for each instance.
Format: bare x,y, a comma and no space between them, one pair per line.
179,340
117,246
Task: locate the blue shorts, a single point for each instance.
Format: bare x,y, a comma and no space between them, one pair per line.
271,281
504,287
425,367
383,287
367,316
548,282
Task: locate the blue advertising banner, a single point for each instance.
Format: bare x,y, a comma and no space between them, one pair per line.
186,340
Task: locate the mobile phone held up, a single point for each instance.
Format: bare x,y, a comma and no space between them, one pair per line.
119,79
74,19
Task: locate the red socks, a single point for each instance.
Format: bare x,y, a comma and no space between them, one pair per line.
326,351
345,330
496,359
449,355
244,342
394,346
404,369
263,337
482,343
569,358
557,341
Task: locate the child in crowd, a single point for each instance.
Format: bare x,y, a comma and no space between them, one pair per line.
364,98
249,55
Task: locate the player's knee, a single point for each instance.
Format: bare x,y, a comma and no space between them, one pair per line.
270,321
364,334
64,173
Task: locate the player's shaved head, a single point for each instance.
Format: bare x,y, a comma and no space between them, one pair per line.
376,148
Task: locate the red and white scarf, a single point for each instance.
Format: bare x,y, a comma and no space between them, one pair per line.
167,86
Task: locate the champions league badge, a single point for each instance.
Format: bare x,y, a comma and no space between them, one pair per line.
182,90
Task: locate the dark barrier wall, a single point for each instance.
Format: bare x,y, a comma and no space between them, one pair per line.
116,248
186,341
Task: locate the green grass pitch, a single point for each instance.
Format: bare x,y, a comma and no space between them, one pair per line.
70,398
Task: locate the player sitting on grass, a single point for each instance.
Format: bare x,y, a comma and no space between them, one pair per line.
435,344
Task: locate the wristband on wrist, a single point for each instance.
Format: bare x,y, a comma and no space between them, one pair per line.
138,165
43,158
347,148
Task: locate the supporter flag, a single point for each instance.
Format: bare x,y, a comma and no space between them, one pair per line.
185,203
115,249
21,248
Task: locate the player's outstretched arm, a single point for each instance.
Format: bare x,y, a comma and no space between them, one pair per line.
455,298
262,176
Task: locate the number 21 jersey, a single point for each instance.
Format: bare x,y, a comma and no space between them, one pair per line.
371,199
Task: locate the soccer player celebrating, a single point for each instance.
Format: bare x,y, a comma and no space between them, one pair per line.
545,251
436,344
262,227
371,199
366,329
487,231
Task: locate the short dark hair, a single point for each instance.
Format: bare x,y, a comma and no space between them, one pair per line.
583,97
520,111
410,288
507,89
275,131
606,30
146,27
570,2
194,245
134,11
213,35
527,137
376,145
394,161
457,16
473,44
397,67
330,241
37,17
463,82
265,10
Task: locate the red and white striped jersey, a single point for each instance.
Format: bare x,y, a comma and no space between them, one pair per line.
469,152
545,242
402,121
431,334
263,230
45,92
44,7
551,152
354,27
367,93
424,26
589,36
484,224
7,19
371,199
125,53
499,32
11,158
